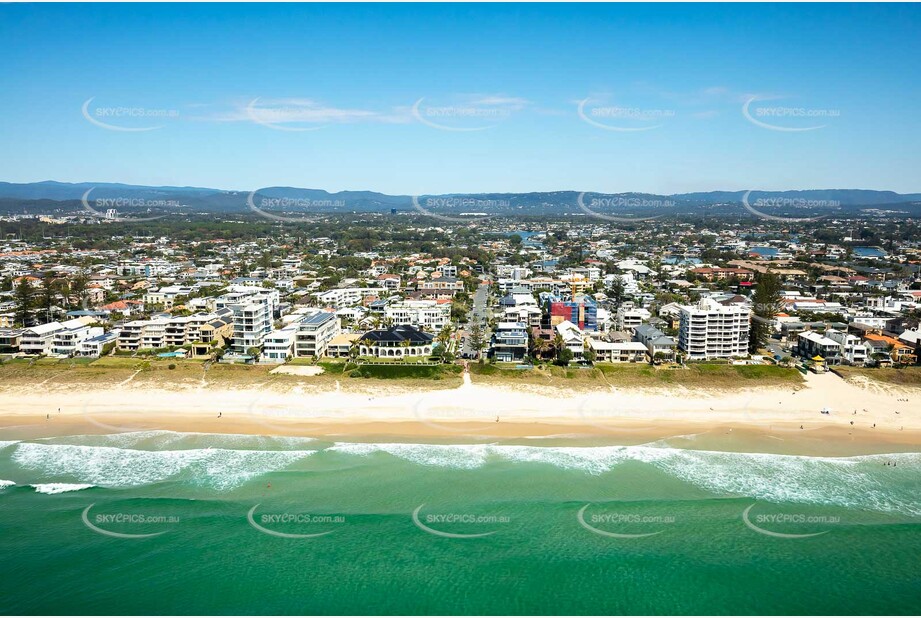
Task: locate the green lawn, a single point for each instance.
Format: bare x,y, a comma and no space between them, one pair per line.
905,376
702,376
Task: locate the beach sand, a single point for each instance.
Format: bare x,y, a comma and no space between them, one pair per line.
885,414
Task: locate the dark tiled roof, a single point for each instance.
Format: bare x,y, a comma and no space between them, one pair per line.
396,334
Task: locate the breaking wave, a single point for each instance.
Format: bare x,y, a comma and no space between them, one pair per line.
59,488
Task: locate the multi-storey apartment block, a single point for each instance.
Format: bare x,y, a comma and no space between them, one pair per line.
710,330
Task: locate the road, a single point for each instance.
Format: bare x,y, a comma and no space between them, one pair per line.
479,314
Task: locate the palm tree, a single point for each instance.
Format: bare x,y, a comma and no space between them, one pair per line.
539,347
405,344
558,344
444,336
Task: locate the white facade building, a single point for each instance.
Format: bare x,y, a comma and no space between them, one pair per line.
710,330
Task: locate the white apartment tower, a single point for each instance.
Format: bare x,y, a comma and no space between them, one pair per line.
711,330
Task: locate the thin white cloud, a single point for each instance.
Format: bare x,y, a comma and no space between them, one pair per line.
302,111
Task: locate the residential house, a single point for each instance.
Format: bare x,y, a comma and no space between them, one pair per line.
396,342
510,341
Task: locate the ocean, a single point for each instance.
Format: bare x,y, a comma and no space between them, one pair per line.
157,522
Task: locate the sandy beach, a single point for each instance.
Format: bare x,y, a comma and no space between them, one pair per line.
858,411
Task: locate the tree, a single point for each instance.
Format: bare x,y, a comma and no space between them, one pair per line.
558,344
617,290
564,357
765,305
78,285
590,355
476,338
539,347
24,297
444,336
48,295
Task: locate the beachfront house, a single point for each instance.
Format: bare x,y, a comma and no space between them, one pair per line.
510,342
656,342
617,351
314,333
396,342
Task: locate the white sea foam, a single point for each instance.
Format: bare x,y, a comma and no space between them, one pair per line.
856,482
117,467
6,443
59,488
5,484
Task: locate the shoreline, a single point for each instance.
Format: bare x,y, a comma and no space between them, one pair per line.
766,418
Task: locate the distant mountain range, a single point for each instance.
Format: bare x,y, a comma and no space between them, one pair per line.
61,197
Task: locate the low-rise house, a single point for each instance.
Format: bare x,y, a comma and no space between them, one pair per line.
94,346
314,334
67,340
656,342
278,345
341,345
9,339
432,315
396,342
142,334
810,344
899,352
37,340
629,317
618,351
573,338
510,341
853,349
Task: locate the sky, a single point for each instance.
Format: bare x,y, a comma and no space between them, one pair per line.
439,98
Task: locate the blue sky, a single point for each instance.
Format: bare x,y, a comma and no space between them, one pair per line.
417,99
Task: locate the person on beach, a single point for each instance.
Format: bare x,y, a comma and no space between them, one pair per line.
219,414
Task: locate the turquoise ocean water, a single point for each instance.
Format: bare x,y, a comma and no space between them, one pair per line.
165,523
